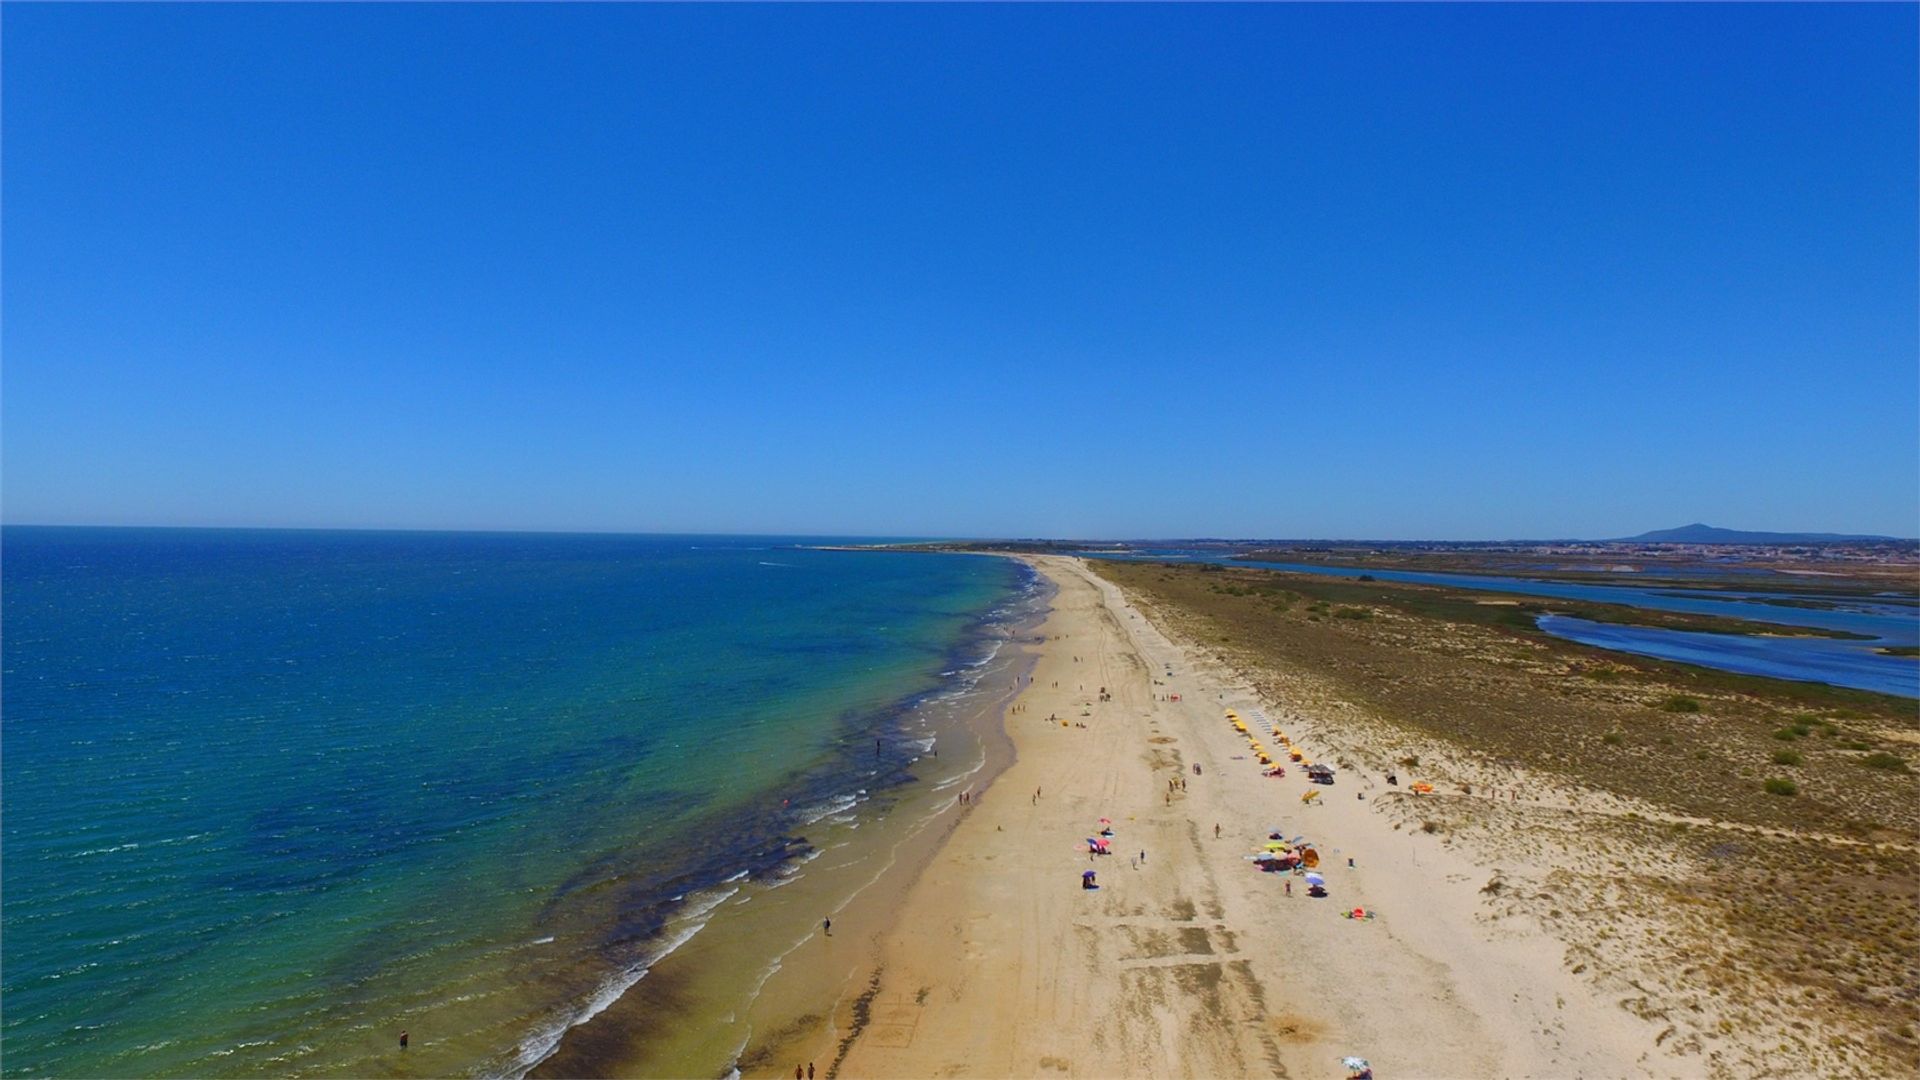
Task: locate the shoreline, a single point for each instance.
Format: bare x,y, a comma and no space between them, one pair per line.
722,985
1193,962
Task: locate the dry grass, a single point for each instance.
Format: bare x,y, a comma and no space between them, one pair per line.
1766,934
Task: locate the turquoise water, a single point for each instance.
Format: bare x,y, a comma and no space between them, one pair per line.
272,796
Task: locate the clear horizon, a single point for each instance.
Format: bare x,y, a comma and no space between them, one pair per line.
1398,273
953,537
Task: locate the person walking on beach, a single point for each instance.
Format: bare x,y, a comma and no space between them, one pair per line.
403,1040
799,1073
809,1070
1216,830
826,926
1289,888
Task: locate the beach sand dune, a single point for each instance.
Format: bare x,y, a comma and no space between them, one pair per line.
1193,962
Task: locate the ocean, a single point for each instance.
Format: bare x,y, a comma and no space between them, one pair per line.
272,797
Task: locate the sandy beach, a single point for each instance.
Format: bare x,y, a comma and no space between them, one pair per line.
1187,960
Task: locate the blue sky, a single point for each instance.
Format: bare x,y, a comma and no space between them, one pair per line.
1403,271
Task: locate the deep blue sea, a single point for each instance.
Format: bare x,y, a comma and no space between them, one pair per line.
269,795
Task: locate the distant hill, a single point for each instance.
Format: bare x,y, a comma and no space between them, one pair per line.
1707,534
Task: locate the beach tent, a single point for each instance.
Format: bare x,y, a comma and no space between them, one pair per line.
1309,857
1423,788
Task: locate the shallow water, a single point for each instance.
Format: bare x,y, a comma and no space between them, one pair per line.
271,797
1838,663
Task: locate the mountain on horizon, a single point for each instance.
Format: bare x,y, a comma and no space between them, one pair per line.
1708,534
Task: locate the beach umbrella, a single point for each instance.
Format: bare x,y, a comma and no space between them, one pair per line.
1316,879
1355,1064
1106,821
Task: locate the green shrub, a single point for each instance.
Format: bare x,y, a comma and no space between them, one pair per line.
1785,734
1778,786
1411,761
1613,738
1884,760
1353,613
1788,757
1680,703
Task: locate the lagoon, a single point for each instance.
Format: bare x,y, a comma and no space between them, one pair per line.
1879,621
